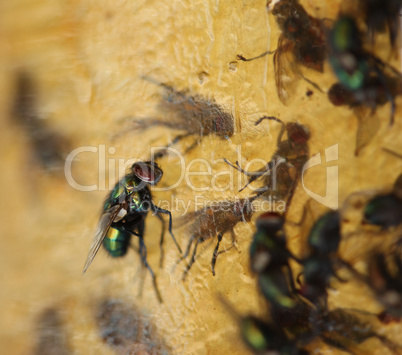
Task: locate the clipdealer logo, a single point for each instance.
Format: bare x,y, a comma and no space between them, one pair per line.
330,199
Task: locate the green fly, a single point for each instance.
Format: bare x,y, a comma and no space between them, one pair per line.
262,336
359,72
385,210
124,213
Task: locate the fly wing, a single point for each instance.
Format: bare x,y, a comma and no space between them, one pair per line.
103,226
354,247
196,218
141,124
368,126
312,211
284,66
186,219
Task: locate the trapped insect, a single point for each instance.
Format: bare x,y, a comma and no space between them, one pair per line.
303,315
283,171
269,260
361,73
263,336
381,16
302,41
385,210
321,261
124,213
215,221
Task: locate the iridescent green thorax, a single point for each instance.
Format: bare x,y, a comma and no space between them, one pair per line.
267,250
348,58
325,235
116,242
132,190
352,80
132,187
262,240
318,270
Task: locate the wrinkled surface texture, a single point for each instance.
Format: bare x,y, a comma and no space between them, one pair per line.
87,59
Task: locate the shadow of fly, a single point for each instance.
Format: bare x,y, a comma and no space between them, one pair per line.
215,221
195,116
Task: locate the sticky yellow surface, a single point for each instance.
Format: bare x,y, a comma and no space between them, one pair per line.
88,58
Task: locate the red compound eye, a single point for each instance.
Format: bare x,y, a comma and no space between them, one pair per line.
387,318
293,26
338,95
297,133
268,219
219,124
222,125
269,215
147,172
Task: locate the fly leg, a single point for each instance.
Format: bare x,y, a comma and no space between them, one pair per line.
157,210
143,253
233,240
279,140
215,255
273,118
311,83
141,272
298,278
223,251
161,240
240,57
161,153
131,231
290,278
238,168
342,263
290,197
192,146
186,253
252,176
192,259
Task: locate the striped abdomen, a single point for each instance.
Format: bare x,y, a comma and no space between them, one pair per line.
117,242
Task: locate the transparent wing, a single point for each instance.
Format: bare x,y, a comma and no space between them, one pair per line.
141,124
359,240
368,126
196,218
103,226
284,66
187,218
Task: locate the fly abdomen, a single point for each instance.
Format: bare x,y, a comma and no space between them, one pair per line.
117,242
384,211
